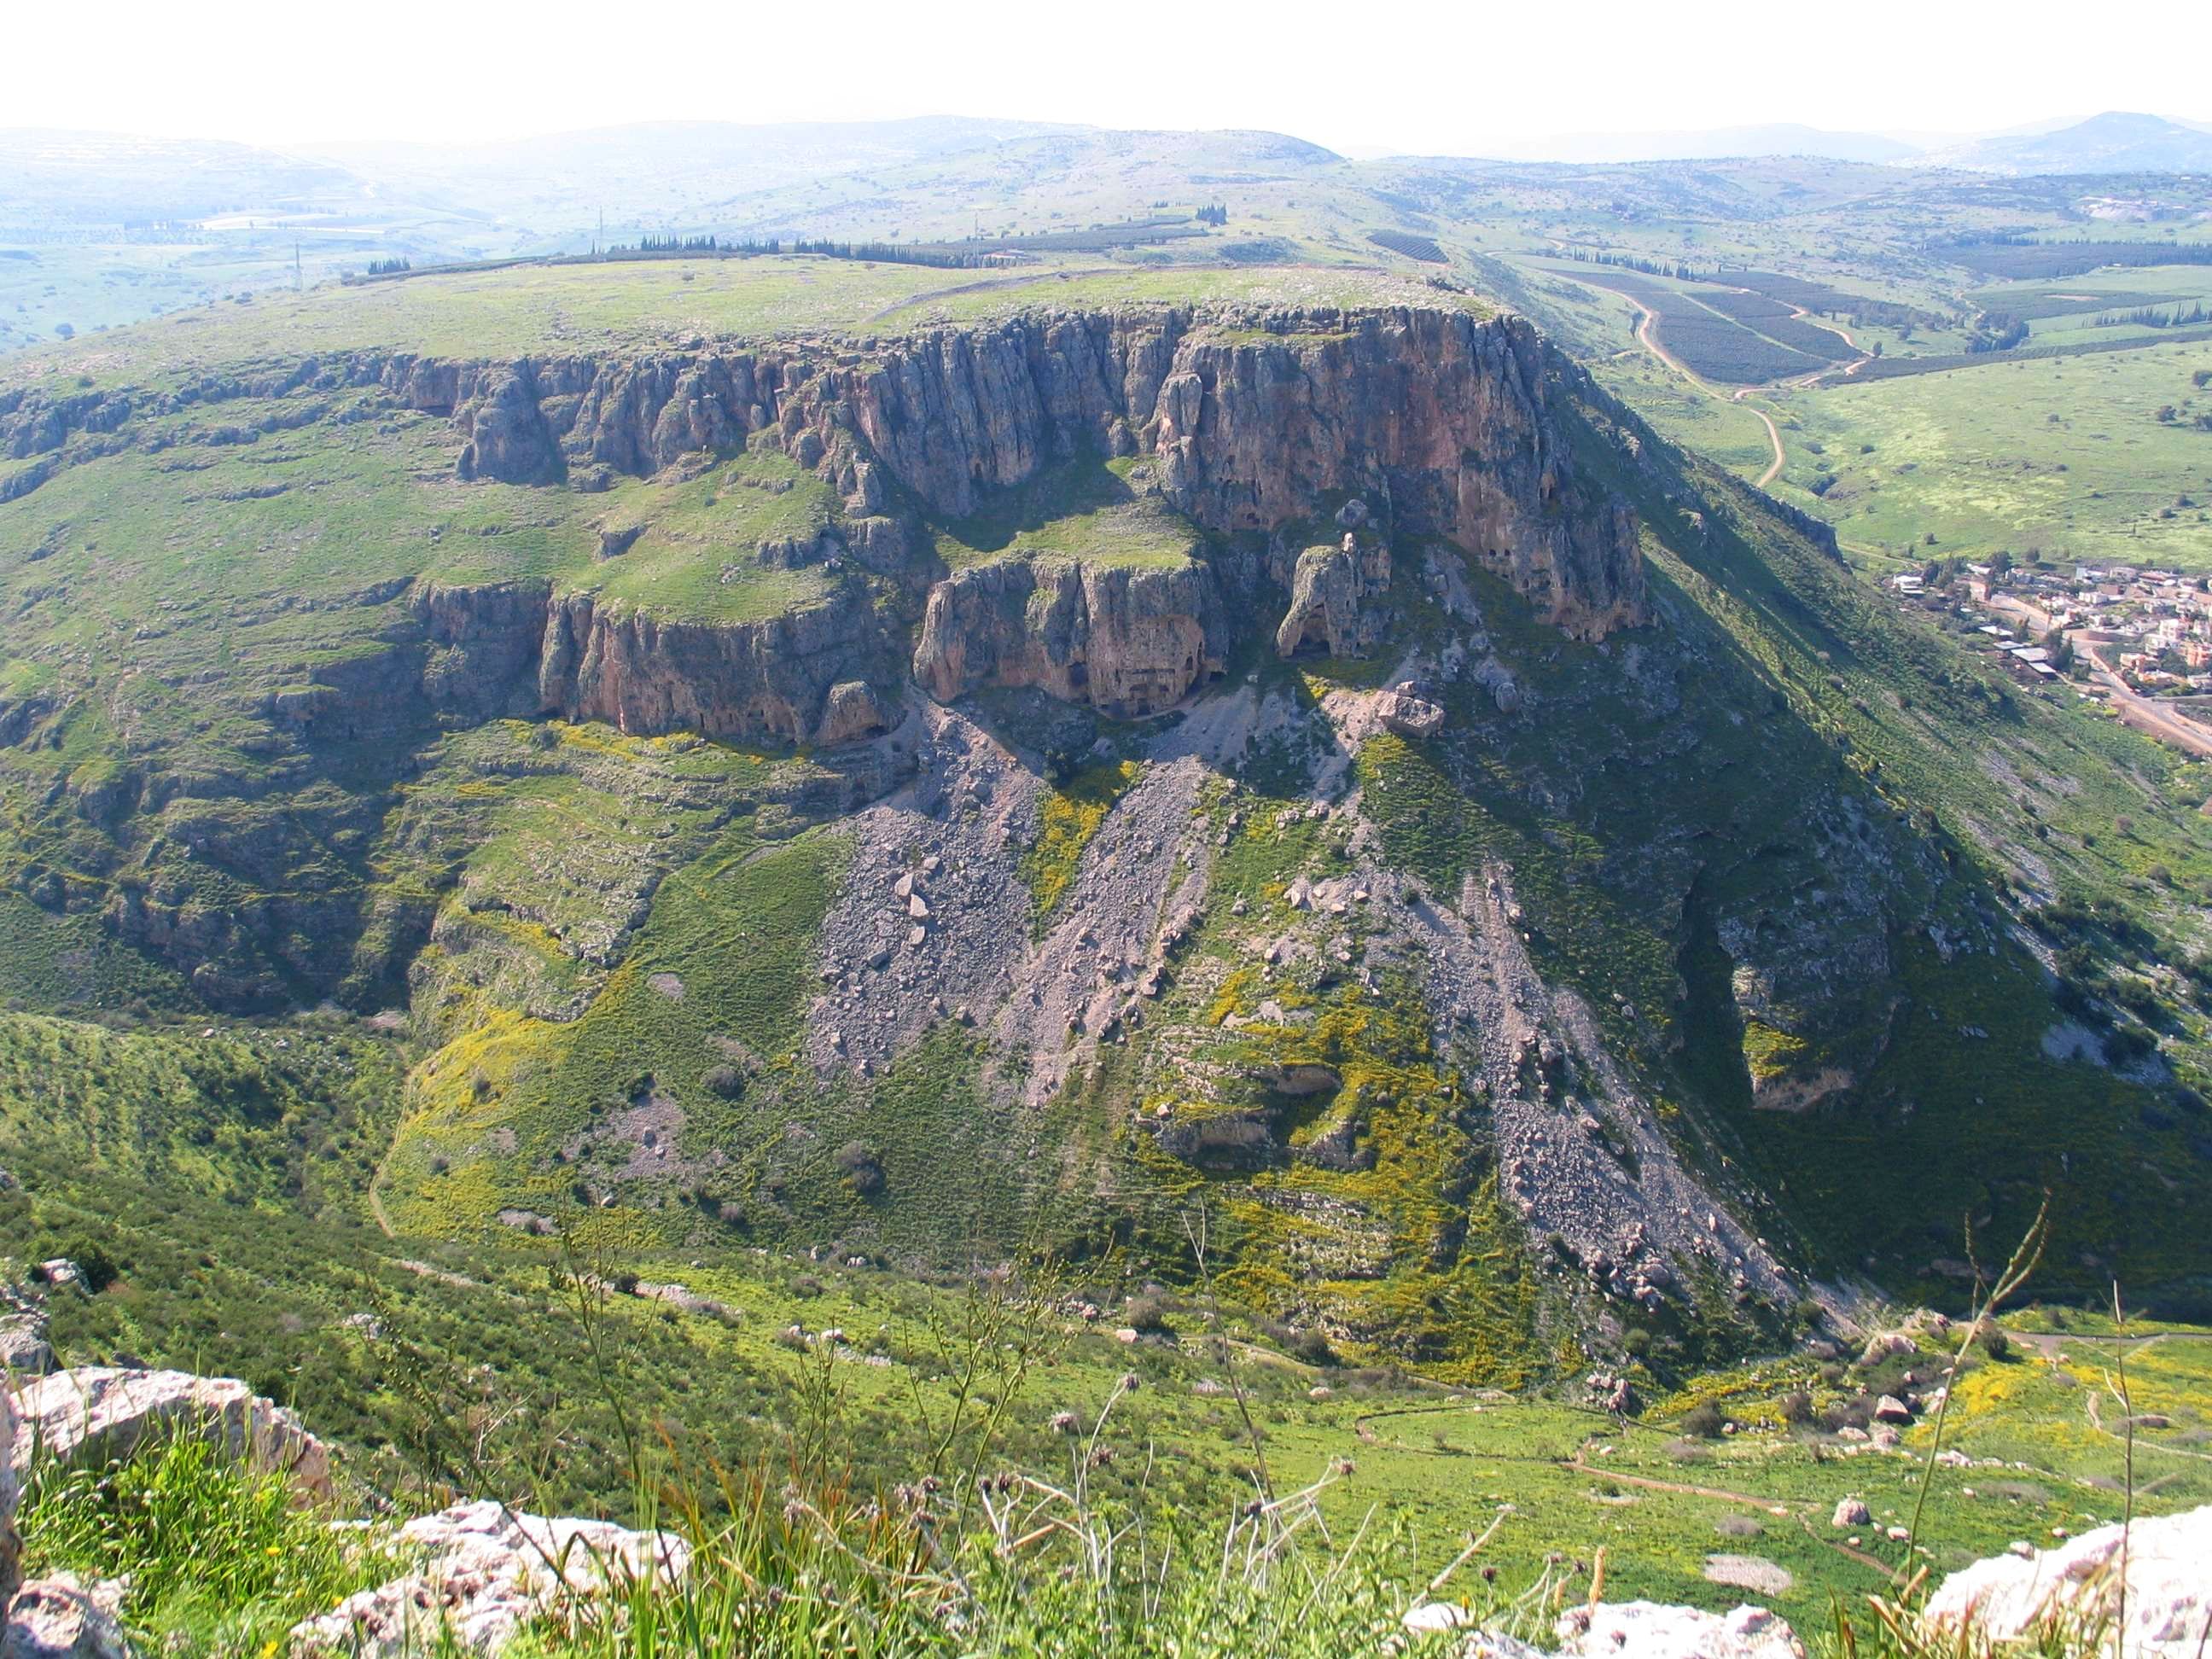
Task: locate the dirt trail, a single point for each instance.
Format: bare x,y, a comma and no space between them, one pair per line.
1799,314
1719,1494
1651,344
376,1212
2048,1346
1774,436
2097,1422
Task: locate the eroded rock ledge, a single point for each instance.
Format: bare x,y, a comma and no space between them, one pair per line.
1256,426
1130,641
1447,424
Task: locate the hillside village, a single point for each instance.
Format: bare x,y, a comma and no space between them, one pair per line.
2159,623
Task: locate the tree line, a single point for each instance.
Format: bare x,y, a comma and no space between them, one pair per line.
1630,262
2152,317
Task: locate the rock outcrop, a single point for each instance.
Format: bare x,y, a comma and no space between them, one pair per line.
506,433
1331,588
772,679
24,1349
851,712
1407,712
810,675
1129,641
481,1572
1652,1630
2078,1586
1444,425
11,1492
99,1413
1437,423
64,1617
1430,423
1625,1629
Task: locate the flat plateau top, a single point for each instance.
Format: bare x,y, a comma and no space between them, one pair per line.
583,308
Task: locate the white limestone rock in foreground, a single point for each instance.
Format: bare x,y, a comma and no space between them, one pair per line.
1627,1630
64,1617
2077,1586
102,1411
1653,1630
484,1572
10,1495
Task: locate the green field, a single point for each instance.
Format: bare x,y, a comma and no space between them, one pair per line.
585,308
2066,456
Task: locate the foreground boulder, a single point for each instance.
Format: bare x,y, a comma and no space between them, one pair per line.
1651,1630
63,1617
101,1413
484,1572
2077,1587
1626,1629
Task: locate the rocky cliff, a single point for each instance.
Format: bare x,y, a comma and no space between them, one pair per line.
955,548
1129,641
1446,426
1258,425
1438,424
1442,425
809,675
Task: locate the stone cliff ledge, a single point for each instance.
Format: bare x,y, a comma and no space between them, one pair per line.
1256,430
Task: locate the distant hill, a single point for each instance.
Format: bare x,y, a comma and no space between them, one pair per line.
2115,141
531,193
659,168
1777,138
54,176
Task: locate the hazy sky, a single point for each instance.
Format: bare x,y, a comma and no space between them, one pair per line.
1415,77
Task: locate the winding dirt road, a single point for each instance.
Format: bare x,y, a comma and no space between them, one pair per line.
1650,342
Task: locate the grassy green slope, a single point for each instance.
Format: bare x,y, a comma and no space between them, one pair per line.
1961,1117
460,1365
2066,456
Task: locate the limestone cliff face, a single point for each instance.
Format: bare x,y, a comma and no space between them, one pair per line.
1257,427
1449,426
774,679
506,433
1132,641
519,650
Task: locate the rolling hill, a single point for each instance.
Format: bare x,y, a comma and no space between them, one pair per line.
748,755
2115,141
